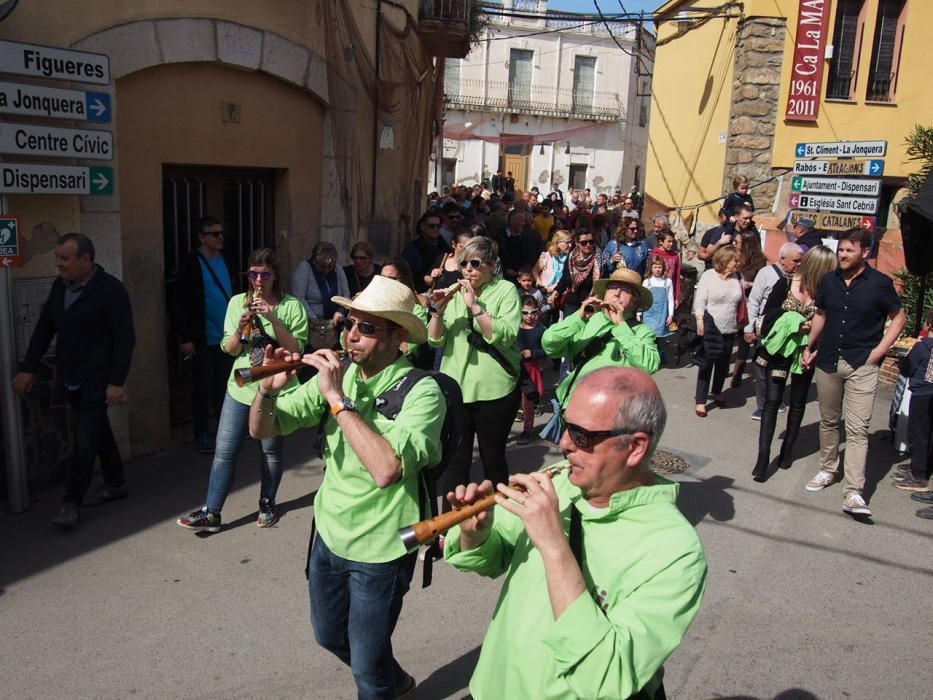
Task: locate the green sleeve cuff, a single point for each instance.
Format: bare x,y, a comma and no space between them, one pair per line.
489,559
576,633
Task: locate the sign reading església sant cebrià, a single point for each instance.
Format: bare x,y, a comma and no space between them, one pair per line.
806,80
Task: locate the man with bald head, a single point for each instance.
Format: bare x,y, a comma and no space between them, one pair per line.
603,573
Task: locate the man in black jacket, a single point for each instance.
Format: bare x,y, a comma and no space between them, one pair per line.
89,312
205,285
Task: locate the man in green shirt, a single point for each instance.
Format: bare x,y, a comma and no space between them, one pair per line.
603,573
358,568
605,331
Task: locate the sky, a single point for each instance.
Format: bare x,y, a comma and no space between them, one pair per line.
606,6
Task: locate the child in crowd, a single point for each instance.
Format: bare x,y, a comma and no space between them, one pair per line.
660,315
739,197
665,251
918,370
526,283
529,343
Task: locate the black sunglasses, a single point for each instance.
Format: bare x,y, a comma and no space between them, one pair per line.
360,257
589,241
365,327
431,225
255,275
475,264
529,312
215,234
586,439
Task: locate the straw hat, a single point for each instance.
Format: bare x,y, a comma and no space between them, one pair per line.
629,278
391,300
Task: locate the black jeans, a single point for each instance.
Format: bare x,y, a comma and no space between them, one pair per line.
92,438
490,422
799,387
718,369
211,371
918,434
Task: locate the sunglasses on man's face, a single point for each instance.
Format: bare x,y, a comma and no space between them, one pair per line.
256,274
365,328
215,234
475,264
588,241
586,439
360,257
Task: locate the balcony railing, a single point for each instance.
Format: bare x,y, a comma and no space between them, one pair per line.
840,86
879,87
447,11
500,96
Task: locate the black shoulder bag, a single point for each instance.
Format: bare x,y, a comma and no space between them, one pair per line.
525,382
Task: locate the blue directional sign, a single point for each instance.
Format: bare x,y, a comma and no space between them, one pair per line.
54,103
876,167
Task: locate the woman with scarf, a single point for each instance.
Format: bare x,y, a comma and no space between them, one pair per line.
582,269
785,326
315,282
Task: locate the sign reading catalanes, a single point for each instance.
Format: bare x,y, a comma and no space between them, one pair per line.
806,80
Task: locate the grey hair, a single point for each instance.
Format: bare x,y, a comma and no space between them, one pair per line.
662,217
789,249
480,248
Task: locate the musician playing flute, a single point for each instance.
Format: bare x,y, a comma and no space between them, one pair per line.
605,331
603,573
358,568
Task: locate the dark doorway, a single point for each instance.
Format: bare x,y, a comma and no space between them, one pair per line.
244,199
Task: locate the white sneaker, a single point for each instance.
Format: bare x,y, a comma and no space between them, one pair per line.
821,481
855,504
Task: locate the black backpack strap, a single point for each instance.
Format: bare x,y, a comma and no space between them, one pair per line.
215,277
480,343
576,535
389,403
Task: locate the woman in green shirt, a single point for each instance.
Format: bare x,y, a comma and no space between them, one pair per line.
478,327
263,316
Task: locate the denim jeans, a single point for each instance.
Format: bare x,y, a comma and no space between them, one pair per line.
232,430
354,608
92,438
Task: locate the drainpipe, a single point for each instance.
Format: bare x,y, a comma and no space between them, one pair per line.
372,201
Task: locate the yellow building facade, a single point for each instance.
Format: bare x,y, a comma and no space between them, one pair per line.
721,91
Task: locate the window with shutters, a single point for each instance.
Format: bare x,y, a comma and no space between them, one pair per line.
847,39
886,51
584,82
452,77
521,63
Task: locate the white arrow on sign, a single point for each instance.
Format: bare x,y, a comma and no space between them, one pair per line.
7,262
98,107
101,181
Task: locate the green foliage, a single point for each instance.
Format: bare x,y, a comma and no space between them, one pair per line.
910,296
479,20
919,149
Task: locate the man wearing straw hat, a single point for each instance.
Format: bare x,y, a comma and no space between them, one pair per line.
605,331
603,574
358,568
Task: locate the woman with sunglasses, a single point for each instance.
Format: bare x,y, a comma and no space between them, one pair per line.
628,248
582,269
362,268
263,316
478,328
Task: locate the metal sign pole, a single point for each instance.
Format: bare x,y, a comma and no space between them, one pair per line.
17,484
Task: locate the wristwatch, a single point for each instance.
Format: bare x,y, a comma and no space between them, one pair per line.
346,404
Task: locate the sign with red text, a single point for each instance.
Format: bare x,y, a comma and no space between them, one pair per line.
806,78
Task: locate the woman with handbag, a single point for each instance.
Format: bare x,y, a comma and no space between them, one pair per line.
719,301
478,326
264,316
785,326
315,282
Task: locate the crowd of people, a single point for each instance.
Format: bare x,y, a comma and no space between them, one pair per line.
379,356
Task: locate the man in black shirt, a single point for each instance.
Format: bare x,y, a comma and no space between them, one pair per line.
853,304
426,251
89,312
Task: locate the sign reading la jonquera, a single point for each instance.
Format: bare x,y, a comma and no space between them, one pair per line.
806,80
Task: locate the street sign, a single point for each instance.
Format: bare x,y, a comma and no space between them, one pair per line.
849,205
10,252
55,103
830,185
39,61
829,221
36,140
839,167
842,149
22,178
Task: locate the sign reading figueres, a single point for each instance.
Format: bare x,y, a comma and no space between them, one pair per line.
806,80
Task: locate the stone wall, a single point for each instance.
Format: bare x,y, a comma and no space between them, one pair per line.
759,55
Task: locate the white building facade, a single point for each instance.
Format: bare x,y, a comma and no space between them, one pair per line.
551,99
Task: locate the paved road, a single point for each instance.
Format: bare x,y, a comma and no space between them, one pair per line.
803,601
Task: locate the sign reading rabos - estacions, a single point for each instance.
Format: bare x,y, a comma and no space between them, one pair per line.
806,80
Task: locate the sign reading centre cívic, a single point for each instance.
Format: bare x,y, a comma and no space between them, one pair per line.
54,103
39,61
35,140
806,80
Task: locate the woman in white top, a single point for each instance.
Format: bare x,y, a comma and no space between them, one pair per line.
718,296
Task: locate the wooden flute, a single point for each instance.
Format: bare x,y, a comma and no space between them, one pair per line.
247,375
427,530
